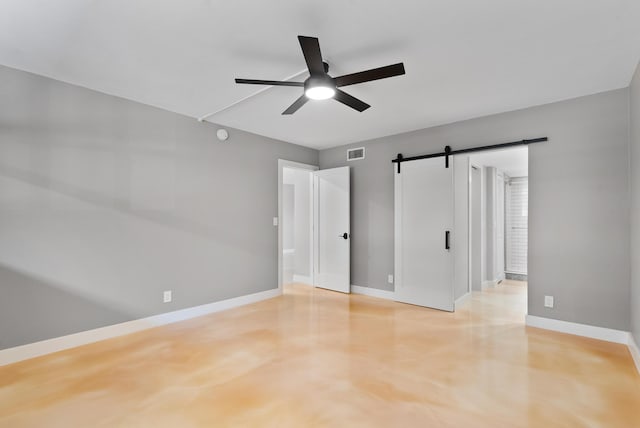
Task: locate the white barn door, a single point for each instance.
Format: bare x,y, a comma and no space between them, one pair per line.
424,216
332,263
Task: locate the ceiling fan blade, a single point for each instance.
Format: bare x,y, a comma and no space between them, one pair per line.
369,75
350,101
312,55
296,105
269,82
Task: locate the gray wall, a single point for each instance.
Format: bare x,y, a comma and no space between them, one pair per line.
105,203
578,202
635,205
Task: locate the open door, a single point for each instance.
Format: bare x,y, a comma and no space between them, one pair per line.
424,233
332,229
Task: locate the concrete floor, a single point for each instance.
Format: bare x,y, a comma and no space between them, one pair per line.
317,358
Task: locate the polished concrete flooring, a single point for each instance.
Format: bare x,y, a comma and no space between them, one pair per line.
317,358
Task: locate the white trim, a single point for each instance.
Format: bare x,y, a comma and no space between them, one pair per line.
600,333
635,352
466,296
373,292
303,279
32,350
397,229
282,163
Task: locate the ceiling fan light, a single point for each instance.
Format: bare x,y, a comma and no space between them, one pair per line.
320,92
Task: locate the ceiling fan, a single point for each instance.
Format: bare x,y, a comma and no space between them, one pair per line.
321,86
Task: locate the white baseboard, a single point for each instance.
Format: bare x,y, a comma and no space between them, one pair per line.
32,350
462,299
601,333
373,292
303,279
635,352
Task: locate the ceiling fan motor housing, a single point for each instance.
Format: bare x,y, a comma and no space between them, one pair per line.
315,81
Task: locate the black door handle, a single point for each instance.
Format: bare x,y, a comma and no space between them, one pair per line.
446,240
344,235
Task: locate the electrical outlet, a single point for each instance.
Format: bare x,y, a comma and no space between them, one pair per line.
166,296
390,279
548,301
275,221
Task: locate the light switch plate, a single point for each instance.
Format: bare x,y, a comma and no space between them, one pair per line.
390,279
166,296
275,221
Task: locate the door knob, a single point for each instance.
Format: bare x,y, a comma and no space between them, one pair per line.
344,236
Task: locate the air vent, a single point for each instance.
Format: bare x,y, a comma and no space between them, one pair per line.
355,154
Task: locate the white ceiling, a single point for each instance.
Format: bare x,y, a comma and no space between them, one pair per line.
464,58
514,162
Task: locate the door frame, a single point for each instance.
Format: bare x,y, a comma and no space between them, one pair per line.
282,164
473,166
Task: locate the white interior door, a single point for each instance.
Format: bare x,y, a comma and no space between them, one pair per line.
424,234
332,238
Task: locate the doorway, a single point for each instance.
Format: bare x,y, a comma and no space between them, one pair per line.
498,220
295,223
313,226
